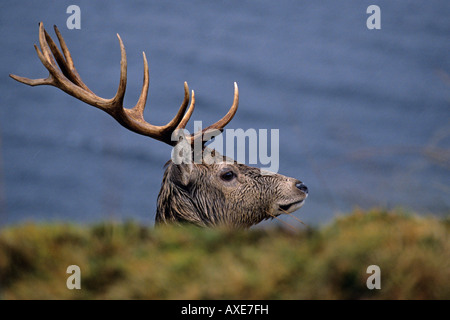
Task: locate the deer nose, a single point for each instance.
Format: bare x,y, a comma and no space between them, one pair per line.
302,187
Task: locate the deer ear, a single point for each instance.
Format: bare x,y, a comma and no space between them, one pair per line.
182,174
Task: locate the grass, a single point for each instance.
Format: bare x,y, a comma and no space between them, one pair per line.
131,261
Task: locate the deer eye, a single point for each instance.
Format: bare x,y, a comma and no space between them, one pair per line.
228,175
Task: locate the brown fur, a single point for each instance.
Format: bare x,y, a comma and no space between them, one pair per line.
196,194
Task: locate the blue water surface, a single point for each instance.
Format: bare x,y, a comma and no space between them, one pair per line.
363,114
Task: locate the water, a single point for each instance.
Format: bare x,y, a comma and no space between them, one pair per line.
363,115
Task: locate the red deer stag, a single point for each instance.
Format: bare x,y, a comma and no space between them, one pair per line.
223,193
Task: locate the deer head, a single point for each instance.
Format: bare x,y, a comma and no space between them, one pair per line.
205,193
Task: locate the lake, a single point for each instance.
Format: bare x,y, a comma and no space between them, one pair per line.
363,115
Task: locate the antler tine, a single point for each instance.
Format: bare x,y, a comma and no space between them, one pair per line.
57,55
219,125
116,103
32,82
65,50
188,114
140,105
45,49
173,124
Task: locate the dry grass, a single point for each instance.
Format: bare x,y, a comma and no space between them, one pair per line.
129,261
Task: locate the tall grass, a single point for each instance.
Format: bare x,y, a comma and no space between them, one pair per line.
130,261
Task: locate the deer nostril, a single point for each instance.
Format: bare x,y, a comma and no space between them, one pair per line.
302,187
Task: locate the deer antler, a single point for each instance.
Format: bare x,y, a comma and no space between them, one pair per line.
68,80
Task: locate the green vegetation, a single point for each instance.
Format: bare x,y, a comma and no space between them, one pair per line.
130,261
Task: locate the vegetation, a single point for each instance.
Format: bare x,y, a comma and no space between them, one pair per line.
131,261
